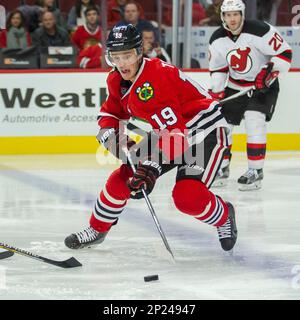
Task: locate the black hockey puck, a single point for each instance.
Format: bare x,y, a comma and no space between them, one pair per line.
154,277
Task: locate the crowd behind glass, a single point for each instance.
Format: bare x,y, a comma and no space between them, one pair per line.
43,25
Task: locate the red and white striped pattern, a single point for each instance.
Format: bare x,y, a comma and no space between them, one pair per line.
215,213
215,158
83,63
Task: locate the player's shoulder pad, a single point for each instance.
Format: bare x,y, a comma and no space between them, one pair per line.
154,62
219,33
256,27
113,75
158,66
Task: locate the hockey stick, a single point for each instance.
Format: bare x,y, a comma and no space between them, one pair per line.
151,209
236,95
6,254
241,93
69,263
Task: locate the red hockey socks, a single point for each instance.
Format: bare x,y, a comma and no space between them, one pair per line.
193,198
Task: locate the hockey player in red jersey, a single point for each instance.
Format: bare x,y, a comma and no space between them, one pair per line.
183,116
246,54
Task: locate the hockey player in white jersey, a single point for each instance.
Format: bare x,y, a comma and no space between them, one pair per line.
247,54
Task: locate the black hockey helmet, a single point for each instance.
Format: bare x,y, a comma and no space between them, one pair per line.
123,38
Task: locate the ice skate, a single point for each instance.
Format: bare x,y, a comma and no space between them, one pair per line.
251,180
228,231
221,179
85,238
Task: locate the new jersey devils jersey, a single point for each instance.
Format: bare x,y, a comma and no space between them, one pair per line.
239,59
163,96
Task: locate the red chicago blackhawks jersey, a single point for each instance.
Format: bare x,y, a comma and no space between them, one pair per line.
163,96
90,57
82,37
238,59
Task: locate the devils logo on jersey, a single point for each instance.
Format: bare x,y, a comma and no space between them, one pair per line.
239,60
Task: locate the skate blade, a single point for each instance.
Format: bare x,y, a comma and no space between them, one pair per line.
220,183
250,187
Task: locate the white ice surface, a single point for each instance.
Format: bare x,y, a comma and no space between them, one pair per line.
45,198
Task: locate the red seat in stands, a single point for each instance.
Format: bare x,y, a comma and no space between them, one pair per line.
284,14
10,5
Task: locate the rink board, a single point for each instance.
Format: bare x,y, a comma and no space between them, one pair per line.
61,144
46,112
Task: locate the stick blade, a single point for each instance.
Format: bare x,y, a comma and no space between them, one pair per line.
6,254
70,263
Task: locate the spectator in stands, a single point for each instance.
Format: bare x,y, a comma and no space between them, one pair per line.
16,35
115,12
89,32
132,14
205,3
2,18
49,34
32,14
76,16
90,57
213,14
151,48
49,5
198,12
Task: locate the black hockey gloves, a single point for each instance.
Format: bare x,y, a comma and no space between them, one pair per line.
144,177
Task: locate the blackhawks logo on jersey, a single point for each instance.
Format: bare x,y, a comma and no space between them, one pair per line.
239,60
145,92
